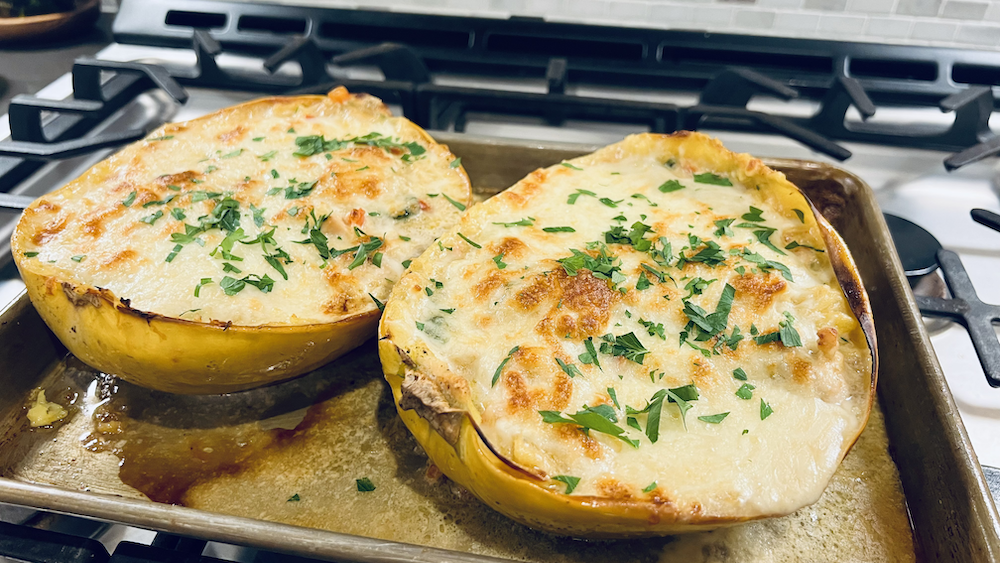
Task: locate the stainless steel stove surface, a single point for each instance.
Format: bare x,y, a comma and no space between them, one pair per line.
909,182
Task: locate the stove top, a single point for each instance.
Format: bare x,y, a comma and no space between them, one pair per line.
931,167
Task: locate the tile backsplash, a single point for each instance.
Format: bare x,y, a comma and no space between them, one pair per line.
944,23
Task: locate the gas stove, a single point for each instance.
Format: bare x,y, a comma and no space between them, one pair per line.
924,145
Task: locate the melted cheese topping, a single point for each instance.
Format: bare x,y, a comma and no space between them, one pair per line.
504,304
117,226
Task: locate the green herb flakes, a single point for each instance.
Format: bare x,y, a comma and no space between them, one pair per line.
765,410
739,374
559,229
455,163
601,418
294,498
745,391
650,488
670,186
800,215
571,482
498,260
471,243
570,369
713,179
714,418
570,166
459,205
364,485
129,200
79,258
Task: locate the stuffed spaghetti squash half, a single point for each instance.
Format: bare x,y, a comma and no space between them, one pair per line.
240,248
659,337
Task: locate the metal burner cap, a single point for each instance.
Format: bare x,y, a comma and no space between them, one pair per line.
917,248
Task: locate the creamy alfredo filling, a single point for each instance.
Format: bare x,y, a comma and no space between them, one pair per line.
641,330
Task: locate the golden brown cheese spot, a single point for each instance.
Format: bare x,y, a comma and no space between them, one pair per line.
527,187
344,294
50,230
801,371
509,247
704,375
234,135
614,489
827,340
178,179
144,196
535,293
534,382
45,206
120,258
759,289
574,434
590,297
486,286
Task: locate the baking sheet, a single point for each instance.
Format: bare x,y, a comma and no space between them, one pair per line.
315,453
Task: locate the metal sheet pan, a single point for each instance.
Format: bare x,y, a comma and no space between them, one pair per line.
952,515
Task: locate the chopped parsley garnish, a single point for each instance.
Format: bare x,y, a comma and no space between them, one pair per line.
151,219
649,488
568,165
232,286
498,259
30,254
294,190
364,485
704,325
294,498
496,375
163,201
614,397
178,213
379,304
765,264
739,374
724,227
458,204
570,369
696,286
78,258
274,174
211,168
571,482
604,266
754,216
654,329
406,263
626,346
643,282
363,251
163,138
258,139
174,188
579,192
714,179
745,391
267,156
455,163
420,325
601,418
235,153
787,334
365,167
316,144
522,223
610,202
765,410
229,268
795,244
202,283
258,215
711,254
617,235
714,418
681,396
129,200
670,186
590,356
764,237
559,229
449,311
202,195
800,215
471,243
173,253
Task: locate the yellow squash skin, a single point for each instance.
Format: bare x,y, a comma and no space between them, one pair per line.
93,256
447,417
